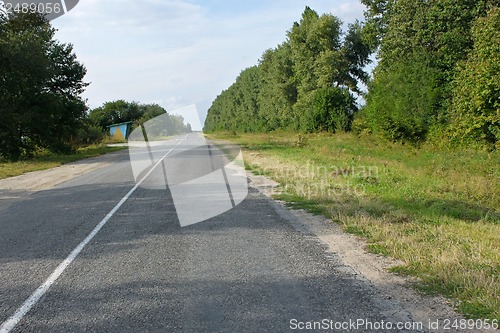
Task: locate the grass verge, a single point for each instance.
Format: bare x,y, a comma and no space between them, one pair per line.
437,211
46,160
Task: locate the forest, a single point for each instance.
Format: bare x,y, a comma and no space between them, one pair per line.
436,79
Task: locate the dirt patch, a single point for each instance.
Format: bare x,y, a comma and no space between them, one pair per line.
47,179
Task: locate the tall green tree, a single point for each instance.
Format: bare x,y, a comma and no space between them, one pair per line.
323,60
278,91
220,115
248,88
237,108
403,98
356,51
40,86
302,84
116,112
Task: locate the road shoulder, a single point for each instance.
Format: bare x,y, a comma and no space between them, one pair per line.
392,293
48,179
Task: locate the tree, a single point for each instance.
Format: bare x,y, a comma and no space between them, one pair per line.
278,91
356,51
40,86
315,43
403,99
150,111
237,108
121,111
221,116
322,60
116,112
247,89
376,16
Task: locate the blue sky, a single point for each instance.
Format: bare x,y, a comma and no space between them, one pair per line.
176,52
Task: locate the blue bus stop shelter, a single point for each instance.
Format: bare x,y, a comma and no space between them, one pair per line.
120,131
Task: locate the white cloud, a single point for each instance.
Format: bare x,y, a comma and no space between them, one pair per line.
348,10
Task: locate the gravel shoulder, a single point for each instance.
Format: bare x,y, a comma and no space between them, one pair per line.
393,293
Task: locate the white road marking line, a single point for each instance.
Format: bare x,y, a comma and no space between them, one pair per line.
10,323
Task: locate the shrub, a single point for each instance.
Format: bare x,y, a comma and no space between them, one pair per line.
404,99
332,110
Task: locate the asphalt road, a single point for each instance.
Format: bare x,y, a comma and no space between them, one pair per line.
246,270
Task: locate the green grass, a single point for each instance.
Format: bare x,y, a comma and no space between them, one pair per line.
437,211
46,160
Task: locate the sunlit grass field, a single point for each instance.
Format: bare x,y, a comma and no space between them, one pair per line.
438,211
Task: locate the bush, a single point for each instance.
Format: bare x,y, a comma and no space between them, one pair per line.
404,99
360,125
332,110
88,134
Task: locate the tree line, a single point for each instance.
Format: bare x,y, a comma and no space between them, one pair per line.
121,111
307,83
437,77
